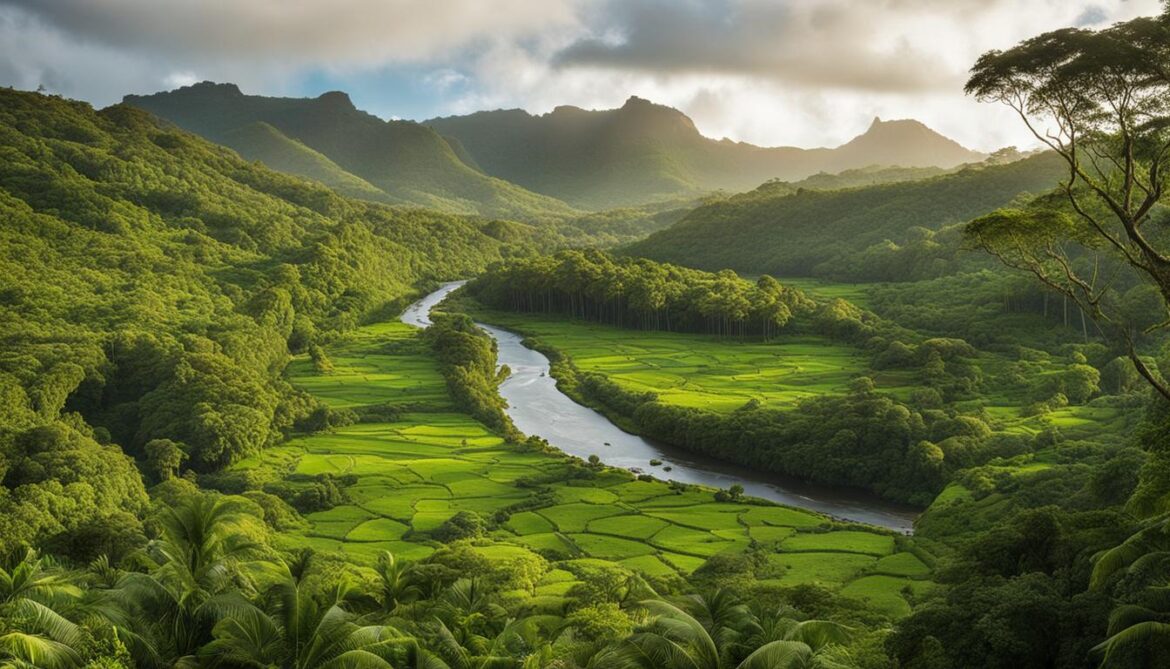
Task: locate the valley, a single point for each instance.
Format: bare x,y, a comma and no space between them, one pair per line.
289,380
404,480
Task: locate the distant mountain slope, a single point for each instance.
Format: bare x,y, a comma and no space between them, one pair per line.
260,141
644,151
777,231
406,161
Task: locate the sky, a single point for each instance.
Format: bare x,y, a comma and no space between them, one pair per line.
770,72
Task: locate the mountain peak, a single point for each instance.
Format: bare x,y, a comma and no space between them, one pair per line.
336,100
906,124
226,88
202,89
908,143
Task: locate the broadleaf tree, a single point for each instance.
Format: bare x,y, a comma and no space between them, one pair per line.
1101,101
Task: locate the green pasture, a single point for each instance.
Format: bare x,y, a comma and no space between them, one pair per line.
379,364
704,371
821,289
413,474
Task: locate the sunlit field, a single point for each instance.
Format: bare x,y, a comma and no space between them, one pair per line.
413,474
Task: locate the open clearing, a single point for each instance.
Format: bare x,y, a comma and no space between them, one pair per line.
703,371
411,475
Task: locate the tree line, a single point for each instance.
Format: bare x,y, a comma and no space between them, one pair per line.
636,293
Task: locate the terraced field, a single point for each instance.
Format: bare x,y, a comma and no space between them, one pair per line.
410,475
703,371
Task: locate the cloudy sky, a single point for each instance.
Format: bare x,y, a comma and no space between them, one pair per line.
772,72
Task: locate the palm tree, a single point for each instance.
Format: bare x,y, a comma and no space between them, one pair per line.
674,639
724,616
197,576
37,634
1144,558
295,630
517,646
398,582
796,644
469,607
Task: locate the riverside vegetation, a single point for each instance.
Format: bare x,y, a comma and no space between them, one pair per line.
186,374
218,446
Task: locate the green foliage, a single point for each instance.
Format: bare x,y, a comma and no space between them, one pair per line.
59,481
468,359
640,294
153,287
463,525
163,458
644,152
360,155
879,232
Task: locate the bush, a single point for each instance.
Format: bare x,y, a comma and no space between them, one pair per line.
463,525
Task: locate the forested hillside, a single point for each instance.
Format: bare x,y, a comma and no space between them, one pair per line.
644,151
154,286
328,139
286,386
856,233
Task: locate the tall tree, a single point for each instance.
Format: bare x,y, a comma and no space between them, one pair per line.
197,577
1101,101
33,630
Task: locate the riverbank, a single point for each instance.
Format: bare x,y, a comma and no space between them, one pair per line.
538,407
399,476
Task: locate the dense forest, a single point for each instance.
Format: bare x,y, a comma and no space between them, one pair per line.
855,233
154,287
637,293
219,448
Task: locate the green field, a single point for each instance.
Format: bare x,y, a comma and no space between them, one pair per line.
413,474
378,363
704,371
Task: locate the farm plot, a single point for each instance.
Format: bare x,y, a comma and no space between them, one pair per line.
402,480
701,371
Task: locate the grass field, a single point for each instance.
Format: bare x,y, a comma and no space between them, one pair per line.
703,371
415,473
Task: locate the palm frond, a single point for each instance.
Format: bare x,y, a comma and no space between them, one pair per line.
779,655
1151,538
819,633
38,651
41,619
356,659
1141,634
1128,615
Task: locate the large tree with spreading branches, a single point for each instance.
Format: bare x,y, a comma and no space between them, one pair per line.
1101,101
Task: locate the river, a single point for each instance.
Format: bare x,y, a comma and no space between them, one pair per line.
537,407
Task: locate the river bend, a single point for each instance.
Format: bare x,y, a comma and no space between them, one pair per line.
537,407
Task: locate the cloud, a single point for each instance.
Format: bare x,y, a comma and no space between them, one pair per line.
1092,16
347,32
772,72
828,44
882,46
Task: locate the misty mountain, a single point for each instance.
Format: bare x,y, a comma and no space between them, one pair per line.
645,151
329,140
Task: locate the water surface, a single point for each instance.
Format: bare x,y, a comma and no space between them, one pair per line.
537,407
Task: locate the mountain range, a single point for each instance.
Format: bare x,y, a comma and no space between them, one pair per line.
358,154
512,164
644,151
